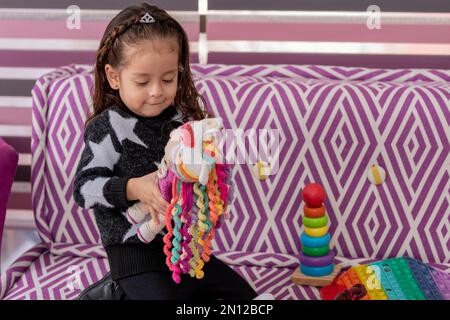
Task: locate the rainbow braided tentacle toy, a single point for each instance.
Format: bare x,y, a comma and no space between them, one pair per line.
196,182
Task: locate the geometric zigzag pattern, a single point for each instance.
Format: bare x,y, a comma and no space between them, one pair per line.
333,123
333,131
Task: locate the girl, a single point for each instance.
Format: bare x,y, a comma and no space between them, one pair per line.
143,90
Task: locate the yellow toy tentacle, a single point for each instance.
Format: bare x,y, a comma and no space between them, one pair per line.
212,204
195,255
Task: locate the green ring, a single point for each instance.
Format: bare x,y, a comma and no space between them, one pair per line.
316,252
315,222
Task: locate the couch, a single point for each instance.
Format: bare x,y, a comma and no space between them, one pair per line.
334,124
9,159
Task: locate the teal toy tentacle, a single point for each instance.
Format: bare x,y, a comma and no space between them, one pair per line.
207,213
204,222
177,235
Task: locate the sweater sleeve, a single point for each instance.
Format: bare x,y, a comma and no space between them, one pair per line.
95,184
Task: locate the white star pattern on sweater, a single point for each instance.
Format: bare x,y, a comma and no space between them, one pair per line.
104,154
124,128
92,192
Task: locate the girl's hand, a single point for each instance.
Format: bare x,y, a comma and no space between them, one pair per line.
146,189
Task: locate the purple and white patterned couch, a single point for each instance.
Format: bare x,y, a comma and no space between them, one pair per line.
9,159
335,123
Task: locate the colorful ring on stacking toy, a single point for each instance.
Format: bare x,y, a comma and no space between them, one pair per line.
317,261
311,212
315,242
317,271
316,252
315,222
316,232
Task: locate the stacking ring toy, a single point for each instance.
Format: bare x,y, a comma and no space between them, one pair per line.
316,261
316,232
317,271
316,252
315,242
311,212
315,222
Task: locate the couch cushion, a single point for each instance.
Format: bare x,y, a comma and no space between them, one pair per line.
51,277
334,124
40,274
63,271
61,101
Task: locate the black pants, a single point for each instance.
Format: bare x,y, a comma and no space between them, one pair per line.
219,282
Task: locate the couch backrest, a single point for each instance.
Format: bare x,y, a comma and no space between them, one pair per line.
61,101
334,123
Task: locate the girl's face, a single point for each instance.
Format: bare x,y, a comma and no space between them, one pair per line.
147,82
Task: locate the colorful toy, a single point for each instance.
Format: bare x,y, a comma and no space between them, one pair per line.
391,279
194,179
315,241
316,258
317,271
314,212
324,260
316,232
314,196
315,222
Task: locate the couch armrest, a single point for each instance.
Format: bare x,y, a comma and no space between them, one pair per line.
9,159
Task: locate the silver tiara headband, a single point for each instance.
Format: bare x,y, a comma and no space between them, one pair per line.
147,18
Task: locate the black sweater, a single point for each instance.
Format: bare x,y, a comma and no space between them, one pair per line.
120,145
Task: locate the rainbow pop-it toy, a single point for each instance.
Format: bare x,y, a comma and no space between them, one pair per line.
392,279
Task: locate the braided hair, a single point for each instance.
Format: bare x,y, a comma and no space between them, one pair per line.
126,28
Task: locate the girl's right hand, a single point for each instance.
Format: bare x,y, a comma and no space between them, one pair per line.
146,189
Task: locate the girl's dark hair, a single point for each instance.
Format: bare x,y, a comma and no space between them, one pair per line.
126,28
